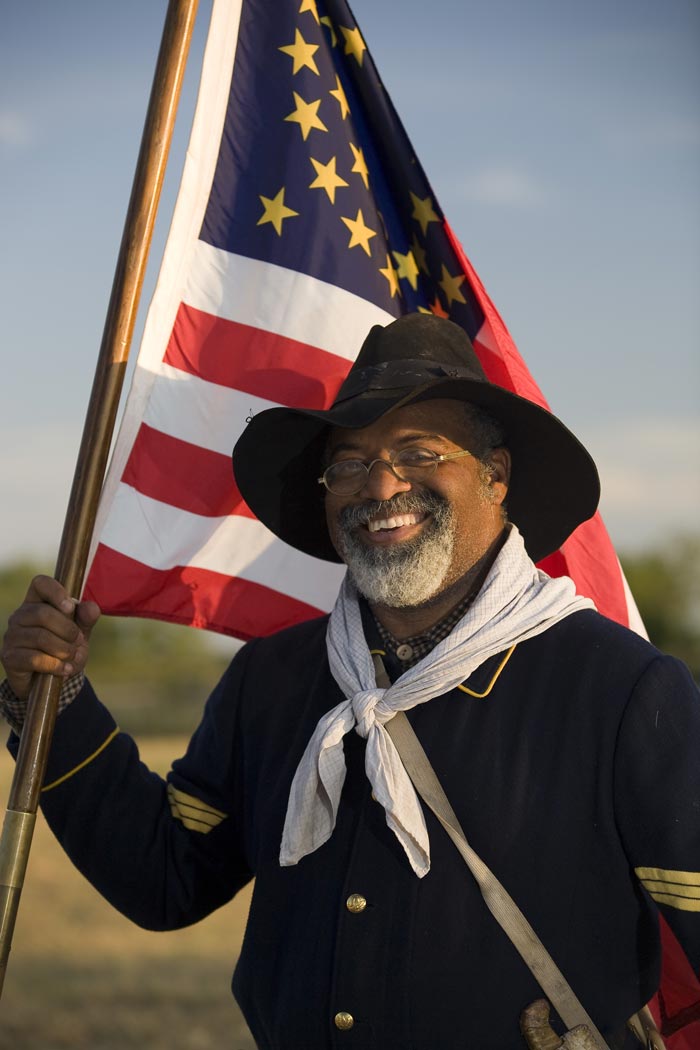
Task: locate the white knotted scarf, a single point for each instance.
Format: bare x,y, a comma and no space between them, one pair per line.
517,601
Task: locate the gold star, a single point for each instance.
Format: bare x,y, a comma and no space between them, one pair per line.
390,273
436,308
450,286
325,20
340,95
361,234
423,310
309,5
326,178
302,54
275,211
306,116
419,253
407,268
422,211
354,44
359,167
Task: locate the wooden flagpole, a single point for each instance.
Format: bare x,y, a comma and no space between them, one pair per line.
71,563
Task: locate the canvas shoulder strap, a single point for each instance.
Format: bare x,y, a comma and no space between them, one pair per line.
500,903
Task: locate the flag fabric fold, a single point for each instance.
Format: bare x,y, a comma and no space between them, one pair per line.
303,218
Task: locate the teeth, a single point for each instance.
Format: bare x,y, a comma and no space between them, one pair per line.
392,523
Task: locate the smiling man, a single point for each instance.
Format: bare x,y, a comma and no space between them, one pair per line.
566,745
416,538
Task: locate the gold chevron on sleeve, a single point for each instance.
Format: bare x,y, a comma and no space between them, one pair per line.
676,889
194,814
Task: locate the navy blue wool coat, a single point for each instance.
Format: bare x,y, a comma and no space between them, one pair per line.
571,762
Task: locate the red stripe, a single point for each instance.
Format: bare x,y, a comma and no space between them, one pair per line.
186,595
589,559
184,475
258,362
679,1003
504,365
588,556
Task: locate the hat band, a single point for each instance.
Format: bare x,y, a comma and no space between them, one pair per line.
400,375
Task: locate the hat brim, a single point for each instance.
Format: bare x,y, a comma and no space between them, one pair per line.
277,460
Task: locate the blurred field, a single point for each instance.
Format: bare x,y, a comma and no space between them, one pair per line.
80,975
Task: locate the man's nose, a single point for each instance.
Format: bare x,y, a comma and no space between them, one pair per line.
382,483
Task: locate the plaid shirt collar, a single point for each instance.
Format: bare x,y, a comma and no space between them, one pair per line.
409,651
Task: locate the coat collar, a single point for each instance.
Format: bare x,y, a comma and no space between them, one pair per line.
478,685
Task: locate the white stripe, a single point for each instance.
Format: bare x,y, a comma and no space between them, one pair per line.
197,177
213,416
195,186
164,537
205,414
278,300
245,290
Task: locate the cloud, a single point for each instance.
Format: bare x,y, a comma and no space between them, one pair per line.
502,187
650,479
15,130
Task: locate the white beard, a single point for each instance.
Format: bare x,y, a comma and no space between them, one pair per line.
410,573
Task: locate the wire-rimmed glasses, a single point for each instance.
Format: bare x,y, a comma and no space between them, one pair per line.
346,477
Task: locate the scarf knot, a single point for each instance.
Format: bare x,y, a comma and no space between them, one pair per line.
517,601
369,710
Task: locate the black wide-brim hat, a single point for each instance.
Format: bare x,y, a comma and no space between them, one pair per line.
554,484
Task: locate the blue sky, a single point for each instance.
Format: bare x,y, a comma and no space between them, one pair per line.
562,141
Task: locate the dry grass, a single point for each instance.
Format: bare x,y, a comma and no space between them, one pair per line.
80,975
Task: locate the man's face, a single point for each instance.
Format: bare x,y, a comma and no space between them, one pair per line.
405,543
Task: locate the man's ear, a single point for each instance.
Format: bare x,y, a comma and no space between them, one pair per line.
499,463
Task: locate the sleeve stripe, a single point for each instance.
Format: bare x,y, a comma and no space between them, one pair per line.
674,889
199,816
678,878
191,823
181,798
194,814
681,903
81,765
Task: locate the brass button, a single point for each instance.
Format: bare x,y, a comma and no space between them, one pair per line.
356,903
404,651
344,1021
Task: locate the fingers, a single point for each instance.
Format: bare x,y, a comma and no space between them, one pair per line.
48,634
51,592
86,616
49,605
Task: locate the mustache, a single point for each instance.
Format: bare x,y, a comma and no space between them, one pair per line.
402,503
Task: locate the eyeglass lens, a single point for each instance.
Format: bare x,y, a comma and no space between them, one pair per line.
348,476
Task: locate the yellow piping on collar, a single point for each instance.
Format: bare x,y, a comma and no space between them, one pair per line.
470,692
480,696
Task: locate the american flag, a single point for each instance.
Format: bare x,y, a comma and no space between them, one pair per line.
304,217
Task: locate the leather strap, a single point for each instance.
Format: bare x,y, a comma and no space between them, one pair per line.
499,902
